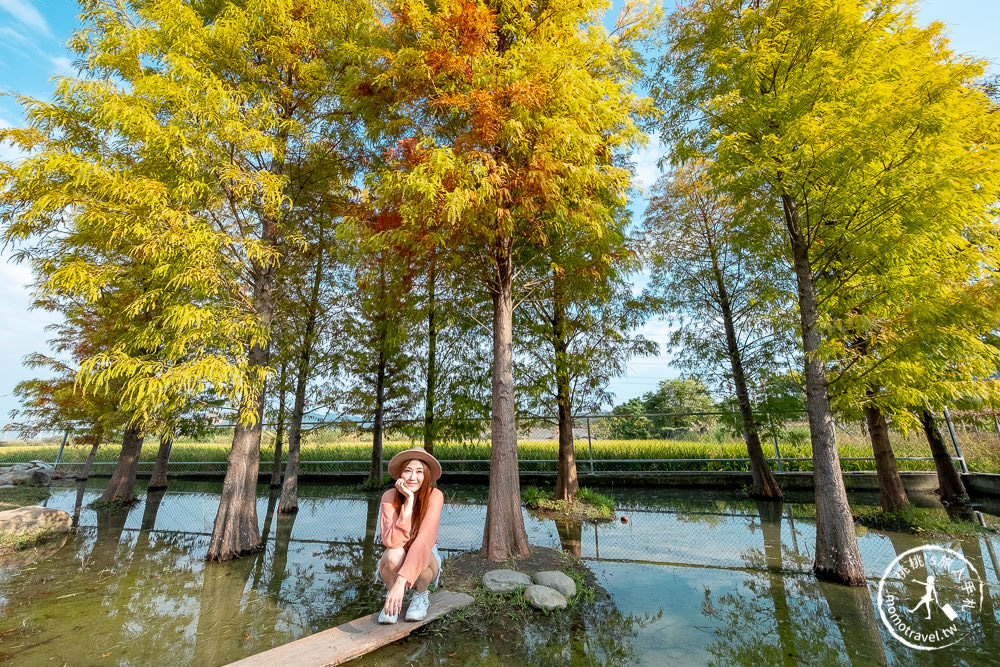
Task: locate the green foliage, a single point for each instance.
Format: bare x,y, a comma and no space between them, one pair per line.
11,542
718,268
930,523
875,146
630,422
21,496
604,504
173,207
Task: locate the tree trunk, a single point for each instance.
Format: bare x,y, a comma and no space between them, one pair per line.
431,363
765,486
570,535
154,497
158,479
89,463
950,484
837,555
279,430
567,483
235,531
279,562
503,534
272,502
375,472
892,493
382,340
121,488
368,560
770,525
289,503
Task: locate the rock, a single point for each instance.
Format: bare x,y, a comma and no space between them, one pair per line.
558,581
505,581
31,477
543,597
24,519
42,465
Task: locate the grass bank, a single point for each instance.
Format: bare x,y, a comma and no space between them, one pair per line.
983,455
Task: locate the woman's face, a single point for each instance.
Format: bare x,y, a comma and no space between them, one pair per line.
413,475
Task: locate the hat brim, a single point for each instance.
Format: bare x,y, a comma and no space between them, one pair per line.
400,459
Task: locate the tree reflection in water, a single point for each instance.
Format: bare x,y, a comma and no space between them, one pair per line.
789,618
137,590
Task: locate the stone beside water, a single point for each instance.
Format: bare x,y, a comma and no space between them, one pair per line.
35,473
505,581
543,597
549,591
556,580
25,519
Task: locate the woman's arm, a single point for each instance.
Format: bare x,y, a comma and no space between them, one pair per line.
395,529
420,551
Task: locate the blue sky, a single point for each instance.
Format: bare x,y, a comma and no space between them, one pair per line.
32,38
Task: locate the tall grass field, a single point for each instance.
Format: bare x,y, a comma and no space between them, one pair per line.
710,452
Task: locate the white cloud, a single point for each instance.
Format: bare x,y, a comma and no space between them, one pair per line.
26,14
645,159
11,36
63,65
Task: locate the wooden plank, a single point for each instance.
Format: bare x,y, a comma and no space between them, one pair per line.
352,639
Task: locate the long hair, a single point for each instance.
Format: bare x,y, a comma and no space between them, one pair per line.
420,501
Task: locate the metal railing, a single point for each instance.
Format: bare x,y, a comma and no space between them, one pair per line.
692,442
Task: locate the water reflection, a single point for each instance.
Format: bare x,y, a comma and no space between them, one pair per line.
692,579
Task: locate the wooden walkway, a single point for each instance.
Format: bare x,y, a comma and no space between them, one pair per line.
352,639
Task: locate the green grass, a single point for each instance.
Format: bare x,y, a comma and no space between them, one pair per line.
932,523
11,542
21,496
981,449
589,504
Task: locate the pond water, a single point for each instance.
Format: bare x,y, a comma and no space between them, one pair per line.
693,577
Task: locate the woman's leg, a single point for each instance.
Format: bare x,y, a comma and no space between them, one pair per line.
389,564
427,576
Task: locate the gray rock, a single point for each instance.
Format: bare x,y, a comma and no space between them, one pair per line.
543,597
557,580
42,465
31,477
505,581
24,519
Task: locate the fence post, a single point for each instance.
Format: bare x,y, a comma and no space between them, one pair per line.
777,453
954,440
590,445
61,448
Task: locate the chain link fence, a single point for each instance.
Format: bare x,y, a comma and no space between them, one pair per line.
703,441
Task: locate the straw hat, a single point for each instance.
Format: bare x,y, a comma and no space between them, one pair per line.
416,452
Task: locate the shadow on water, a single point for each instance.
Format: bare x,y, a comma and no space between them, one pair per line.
691,578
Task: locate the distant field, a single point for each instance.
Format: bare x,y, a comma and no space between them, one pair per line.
982,452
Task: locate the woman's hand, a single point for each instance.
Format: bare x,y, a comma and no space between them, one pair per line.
407,508
394,599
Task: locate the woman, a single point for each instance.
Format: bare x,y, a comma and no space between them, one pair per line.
410,516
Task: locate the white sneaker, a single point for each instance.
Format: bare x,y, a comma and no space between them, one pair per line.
386,619
417,611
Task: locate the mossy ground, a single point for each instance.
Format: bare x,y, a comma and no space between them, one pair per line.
920,521
21,496
588,506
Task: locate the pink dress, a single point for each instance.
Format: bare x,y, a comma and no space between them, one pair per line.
396,533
